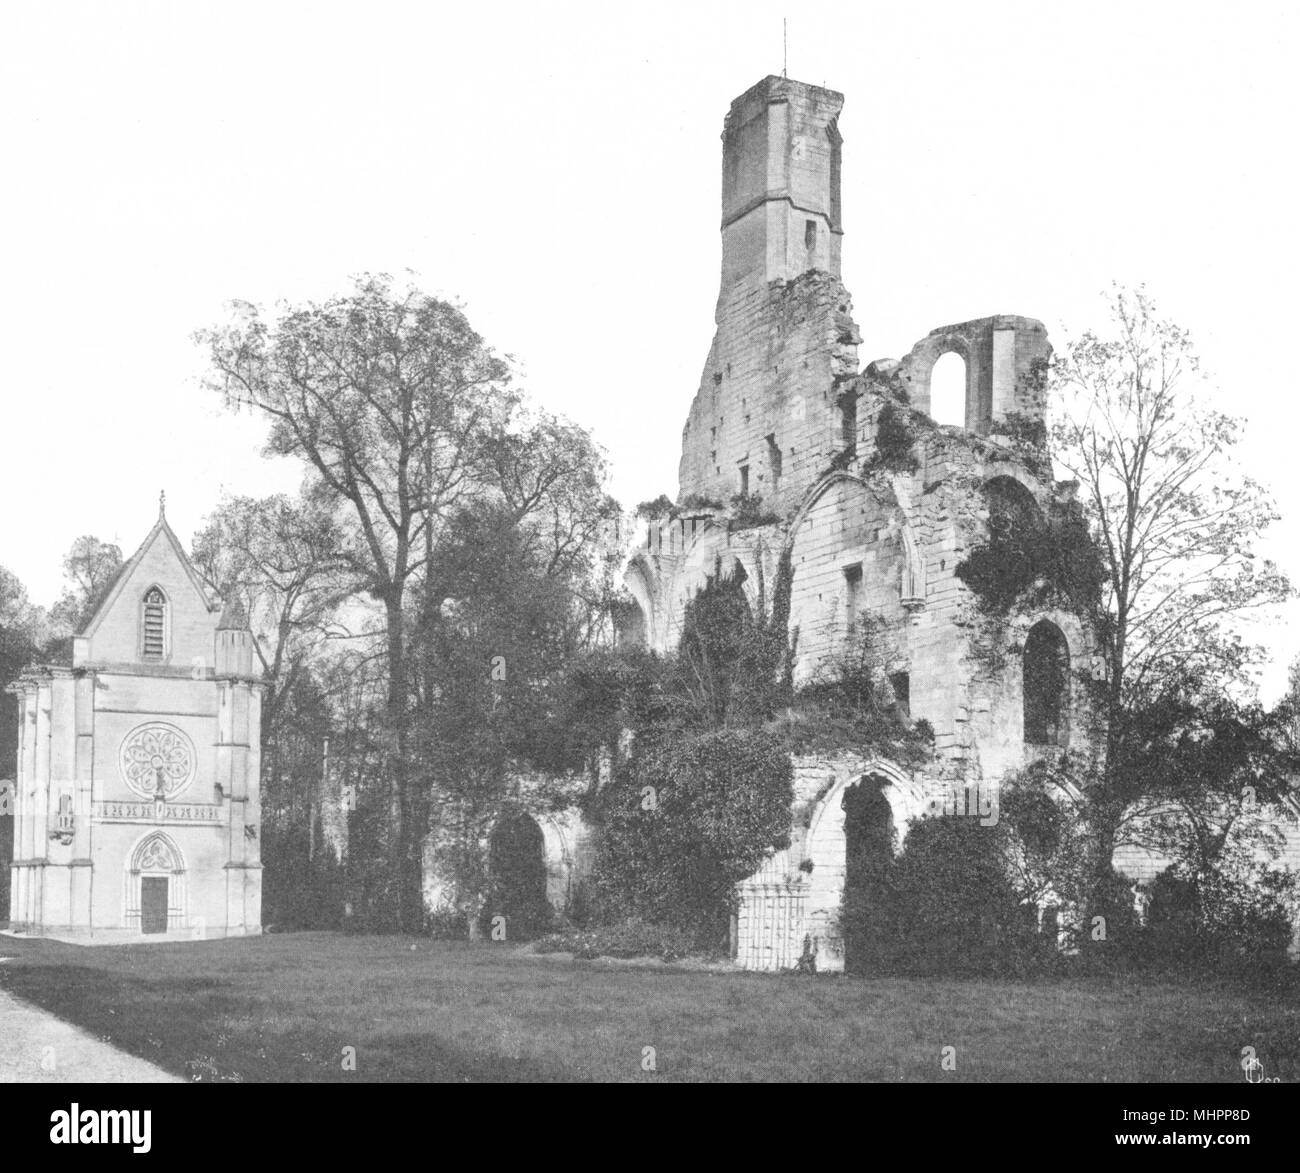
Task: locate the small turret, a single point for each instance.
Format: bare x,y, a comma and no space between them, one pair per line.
234,642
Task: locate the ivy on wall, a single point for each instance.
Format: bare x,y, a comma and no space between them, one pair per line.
1035,561
895,441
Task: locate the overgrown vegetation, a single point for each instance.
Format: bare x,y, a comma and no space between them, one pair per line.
945,906
661,506
1030,562
630,938
747,512
895,440
1020,428
695,816
704,794
698,501
852,703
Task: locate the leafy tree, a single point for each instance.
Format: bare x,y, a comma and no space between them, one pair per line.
23,630
279,560
393,401
513,611
956,910
868,920
695,817
90,567
408,423
1288,711
1214,770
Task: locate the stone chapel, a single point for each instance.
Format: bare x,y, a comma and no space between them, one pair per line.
136,806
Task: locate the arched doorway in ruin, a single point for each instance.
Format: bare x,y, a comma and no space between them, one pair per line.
870,842
517,877
825,845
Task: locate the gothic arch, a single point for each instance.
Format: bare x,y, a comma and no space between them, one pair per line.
824,848
558,854
898,507
639,578
905,795
156,854
876,565
1011,504
156,851
1015,472
1046,685
705,562
562,834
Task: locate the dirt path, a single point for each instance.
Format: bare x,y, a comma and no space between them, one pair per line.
36,1047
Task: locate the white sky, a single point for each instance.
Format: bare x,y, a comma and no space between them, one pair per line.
556,167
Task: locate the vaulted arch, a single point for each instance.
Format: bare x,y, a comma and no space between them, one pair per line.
874,568
1013,510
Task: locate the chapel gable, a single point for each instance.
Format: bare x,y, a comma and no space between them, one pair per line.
158,613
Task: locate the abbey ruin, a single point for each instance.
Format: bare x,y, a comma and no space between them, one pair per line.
842,470
844,490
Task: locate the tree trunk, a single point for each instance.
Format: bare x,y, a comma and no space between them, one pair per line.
398,772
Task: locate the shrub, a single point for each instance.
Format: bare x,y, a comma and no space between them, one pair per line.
1216,924
694,816
661,506
446,924
699,501
1022,429
894,441
1033,564
946,908
629,938
748,512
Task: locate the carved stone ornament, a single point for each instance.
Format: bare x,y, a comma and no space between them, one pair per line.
157,760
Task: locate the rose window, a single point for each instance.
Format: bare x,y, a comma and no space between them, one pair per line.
157,760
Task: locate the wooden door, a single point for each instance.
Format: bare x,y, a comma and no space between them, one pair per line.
153,904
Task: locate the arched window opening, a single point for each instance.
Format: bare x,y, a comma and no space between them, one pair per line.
1046,686
154,636
948,390
1013,512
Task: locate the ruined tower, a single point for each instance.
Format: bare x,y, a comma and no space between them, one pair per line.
786,345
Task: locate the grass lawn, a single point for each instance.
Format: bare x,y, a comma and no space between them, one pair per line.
283,1007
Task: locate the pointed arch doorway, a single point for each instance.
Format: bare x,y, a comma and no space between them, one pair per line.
155,885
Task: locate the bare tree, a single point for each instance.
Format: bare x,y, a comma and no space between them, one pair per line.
1176,520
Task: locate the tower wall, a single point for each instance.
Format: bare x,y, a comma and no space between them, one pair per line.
767,411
